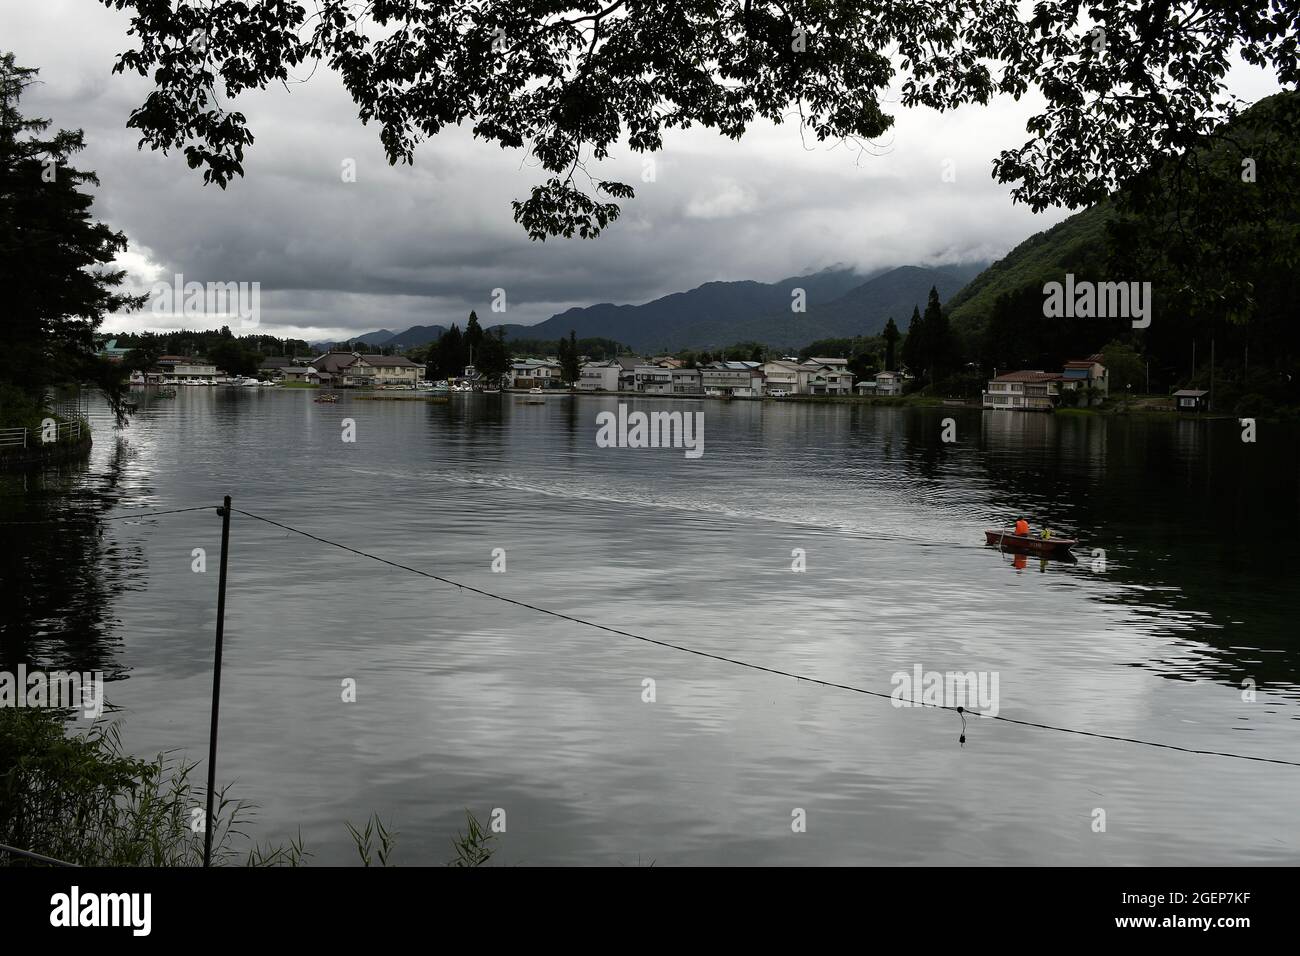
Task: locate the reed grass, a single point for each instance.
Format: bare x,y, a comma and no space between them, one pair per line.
82,799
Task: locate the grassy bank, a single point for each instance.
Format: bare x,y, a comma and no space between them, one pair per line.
81,799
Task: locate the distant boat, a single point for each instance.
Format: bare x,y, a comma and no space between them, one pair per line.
535,397
328,398
1032,544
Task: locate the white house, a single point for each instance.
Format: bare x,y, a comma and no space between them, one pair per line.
687,381
534,373
1086,373
734,379
1024,391
394,371
600,376
627,376
825,376
781,375
654,379
889,383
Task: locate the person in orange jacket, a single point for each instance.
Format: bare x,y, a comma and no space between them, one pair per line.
1022,528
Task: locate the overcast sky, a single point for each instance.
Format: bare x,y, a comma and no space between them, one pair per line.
424,244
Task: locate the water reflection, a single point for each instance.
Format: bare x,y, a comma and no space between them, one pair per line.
463,703
60,576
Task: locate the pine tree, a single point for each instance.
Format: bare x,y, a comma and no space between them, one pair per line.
451,352
914,344
473,337
493,360
939,347
570,361
54,257
891,336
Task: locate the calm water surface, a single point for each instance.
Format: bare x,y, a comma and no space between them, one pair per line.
467,702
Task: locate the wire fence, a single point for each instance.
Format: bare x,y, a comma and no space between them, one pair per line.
66,431
708,655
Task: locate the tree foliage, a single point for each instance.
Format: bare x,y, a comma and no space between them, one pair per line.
55,259
234,358
570,359
1122,82
473,336
891,335
493,358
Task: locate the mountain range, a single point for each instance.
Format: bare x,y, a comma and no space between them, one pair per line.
838,303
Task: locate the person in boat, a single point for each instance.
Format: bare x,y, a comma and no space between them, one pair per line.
1022,528
1046,534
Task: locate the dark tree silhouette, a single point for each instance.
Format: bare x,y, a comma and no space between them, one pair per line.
568,81
54,257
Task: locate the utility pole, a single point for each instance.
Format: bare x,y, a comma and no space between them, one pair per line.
224,511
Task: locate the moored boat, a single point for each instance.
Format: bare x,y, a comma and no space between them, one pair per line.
1031,544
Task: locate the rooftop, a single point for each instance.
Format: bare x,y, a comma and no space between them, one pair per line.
390,361
1027,376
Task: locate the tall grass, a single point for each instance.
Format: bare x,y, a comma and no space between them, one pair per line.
83,800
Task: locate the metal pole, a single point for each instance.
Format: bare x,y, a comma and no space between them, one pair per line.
1210,401
224,511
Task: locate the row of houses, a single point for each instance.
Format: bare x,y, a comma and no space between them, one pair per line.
664,375
1025,389
734,379
339,369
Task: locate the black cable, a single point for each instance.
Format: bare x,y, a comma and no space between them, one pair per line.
961,711
141,514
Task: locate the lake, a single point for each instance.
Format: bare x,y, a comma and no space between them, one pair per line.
466,702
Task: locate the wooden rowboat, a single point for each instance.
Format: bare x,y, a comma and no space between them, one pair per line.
1032,544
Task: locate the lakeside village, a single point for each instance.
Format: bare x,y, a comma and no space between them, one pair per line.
1081,382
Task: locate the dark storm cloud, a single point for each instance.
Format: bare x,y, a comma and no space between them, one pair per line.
425,244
